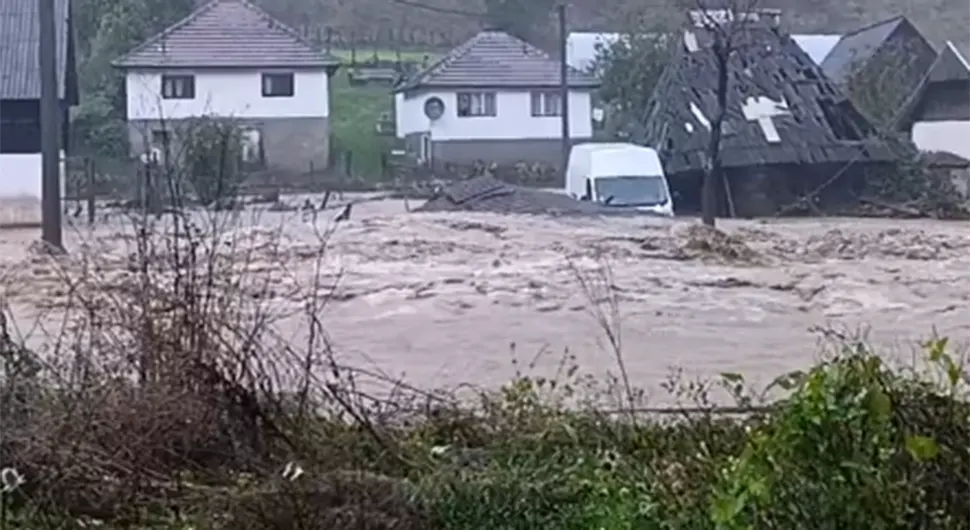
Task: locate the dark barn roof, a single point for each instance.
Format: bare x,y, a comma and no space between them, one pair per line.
817,124
495,59
950,65
857,47
20,45
226,34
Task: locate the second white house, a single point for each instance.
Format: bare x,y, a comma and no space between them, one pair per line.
494,98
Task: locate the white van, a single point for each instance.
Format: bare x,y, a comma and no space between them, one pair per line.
619,174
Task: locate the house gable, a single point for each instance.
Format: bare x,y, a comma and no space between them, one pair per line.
893,43
227,34
495,60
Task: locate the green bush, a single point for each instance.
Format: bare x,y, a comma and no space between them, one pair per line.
211,159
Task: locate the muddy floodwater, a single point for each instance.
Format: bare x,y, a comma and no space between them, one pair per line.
443,299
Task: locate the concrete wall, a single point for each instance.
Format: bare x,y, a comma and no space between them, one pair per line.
534,150
952,136
290,145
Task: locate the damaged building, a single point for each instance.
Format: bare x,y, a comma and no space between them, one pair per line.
787,128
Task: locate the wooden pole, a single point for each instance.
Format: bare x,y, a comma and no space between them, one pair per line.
564,87
49,128
89,171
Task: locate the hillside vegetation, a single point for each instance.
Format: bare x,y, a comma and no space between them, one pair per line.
390,23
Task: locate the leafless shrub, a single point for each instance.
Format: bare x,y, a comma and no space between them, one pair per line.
170,370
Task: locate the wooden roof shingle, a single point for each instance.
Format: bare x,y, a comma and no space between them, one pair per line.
817,123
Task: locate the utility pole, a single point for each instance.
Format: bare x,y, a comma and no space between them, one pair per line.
564,86
50,129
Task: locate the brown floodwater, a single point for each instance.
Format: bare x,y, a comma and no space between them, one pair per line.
448,298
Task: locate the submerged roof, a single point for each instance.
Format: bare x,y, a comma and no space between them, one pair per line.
20,47
495,59
227,34
781,108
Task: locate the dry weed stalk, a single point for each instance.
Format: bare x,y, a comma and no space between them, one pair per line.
170,369
599,288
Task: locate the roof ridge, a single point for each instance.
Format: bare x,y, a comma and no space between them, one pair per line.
205,8
895,18
167,31
278,24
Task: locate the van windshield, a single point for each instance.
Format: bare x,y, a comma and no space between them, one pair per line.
631,191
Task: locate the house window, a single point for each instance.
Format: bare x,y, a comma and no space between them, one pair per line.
19,127
547,103
476,104
178,87
278,85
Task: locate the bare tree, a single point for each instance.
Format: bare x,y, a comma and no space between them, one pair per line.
725,25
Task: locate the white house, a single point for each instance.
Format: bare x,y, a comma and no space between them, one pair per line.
20,128
230,60
941,115
494,98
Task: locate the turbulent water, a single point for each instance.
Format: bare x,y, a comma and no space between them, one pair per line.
449,298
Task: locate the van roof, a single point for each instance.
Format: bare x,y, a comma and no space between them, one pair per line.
634,160
610,146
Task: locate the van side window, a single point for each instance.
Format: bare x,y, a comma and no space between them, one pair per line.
589,190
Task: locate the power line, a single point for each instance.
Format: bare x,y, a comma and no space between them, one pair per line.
442,10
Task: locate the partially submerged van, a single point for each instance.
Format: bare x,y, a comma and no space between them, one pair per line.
621,175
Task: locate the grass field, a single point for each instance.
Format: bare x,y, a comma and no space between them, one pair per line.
354,114
364,54
356,110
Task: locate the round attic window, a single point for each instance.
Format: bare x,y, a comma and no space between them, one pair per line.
434,108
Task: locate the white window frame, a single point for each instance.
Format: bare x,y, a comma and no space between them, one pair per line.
178,86
546,104
477,104
278,84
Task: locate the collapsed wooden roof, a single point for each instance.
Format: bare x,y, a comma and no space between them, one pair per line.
781,108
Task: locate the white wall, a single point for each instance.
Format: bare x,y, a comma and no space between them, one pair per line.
20,188
952,136
227,93
513,120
